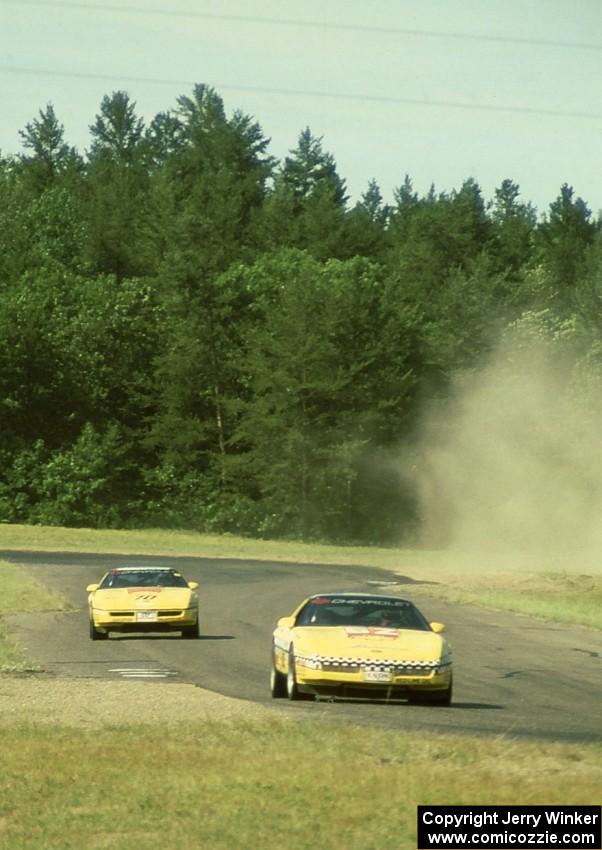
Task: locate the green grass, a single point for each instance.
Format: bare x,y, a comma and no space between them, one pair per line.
20,592
168,542
559,597
263,784
584,610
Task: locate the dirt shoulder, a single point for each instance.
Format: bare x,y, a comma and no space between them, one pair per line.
95,703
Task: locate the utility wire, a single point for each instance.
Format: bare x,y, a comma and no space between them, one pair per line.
174,13
365,98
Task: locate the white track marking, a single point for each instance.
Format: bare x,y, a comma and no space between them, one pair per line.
142,672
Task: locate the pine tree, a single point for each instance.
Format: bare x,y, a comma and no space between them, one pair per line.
514,223
365,229
564,236
215,181
50,158
117,190
306,208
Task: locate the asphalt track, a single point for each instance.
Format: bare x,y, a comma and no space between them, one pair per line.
514,676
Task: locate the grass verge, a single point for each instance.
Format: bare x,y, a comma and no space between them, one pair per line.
264,784
559,597
20,592
168,542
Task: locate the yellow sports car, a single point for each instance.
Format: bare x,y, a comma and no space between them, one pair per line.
136,599
359,645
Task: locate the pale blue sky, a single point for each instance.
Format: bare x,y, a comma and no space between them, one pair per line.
441,90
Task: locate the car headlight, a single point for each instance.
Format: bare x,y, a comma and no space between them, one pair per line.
98,611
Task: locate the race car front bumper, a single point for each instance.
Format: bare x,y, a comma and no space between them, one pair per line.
145,621
400,680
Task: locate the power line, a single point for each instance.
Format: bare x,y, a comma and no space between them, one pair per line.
365,98
248,19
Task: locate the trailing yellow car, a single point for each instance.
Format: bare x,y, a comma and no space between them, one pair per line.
358,645
137,599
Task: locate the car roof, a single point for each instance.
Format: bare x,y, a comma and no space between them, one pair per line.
143,570
359,595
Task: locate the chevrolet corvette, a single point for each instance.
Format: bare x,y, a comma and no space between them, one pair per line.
360,645
143,599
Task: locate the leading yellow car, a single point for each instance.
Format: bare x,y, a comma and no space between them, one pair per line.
357,645
138,599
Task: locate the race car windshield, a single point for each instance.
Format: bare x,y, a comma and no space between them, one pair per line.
142,578
361,611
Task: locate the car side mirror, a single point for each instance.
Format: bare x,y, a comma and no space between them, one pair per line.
193,585
437,627
91,587
286,622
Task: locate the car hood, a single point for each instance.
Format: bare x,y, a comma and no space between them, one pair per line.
370,643
130,598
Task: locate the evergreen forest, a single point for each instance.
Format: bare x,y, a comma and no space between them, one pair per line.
196,335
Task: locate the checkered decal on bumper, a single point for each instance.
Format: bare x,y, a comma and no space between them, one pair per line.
350,665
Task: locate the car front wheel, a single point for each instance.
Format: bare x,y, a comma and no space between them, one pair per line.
191,632
292,688
278,684
95,634
437,698
443,698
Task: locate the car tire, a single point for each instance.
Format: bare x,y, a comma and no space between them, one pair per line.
441,698
292,688
191,632
278,688
444,698
95,634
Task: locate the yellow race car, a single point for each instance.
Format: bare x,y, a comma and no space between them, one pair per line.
358,645
137,599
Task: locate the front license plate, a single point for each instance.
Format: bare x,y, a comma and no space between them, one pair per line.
377,676
145,616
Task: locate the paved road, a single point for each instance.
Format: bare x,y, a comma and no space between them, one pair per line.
513,675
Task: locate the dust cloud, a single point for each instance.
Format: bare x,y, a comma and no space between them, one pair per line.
512,464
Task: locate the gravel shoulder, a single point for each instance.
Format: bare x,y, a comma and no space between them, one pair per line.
92,703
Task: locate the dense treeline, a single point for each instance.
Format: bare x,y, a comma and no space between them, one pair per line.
194,334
